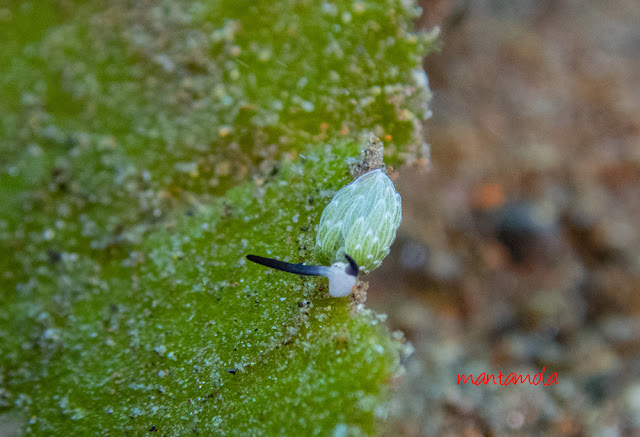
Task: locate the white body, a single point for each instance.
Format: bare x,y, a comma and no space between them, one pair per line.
340,282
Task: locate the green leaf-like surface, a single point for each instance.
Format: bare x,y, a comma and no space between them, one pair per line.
146,148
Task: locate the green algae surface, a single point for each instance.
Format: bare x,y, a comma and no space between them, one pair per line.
145,149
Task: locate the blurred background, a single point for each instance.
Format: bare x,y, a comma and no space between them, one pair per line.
520,244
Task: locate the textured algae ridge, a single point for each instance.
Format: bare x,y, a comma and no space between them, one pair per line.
146,148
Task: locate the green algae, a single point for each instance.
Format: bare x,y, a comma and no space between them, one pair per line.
145,150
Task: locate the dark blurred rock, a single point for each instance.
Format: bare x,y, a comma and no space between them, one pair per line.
589,238
526,230
414,256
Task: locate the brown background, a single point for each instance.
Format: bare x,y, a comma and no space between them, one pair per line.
520,246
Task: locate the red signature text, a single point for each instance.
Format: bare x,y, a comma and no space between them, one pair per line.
510,378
